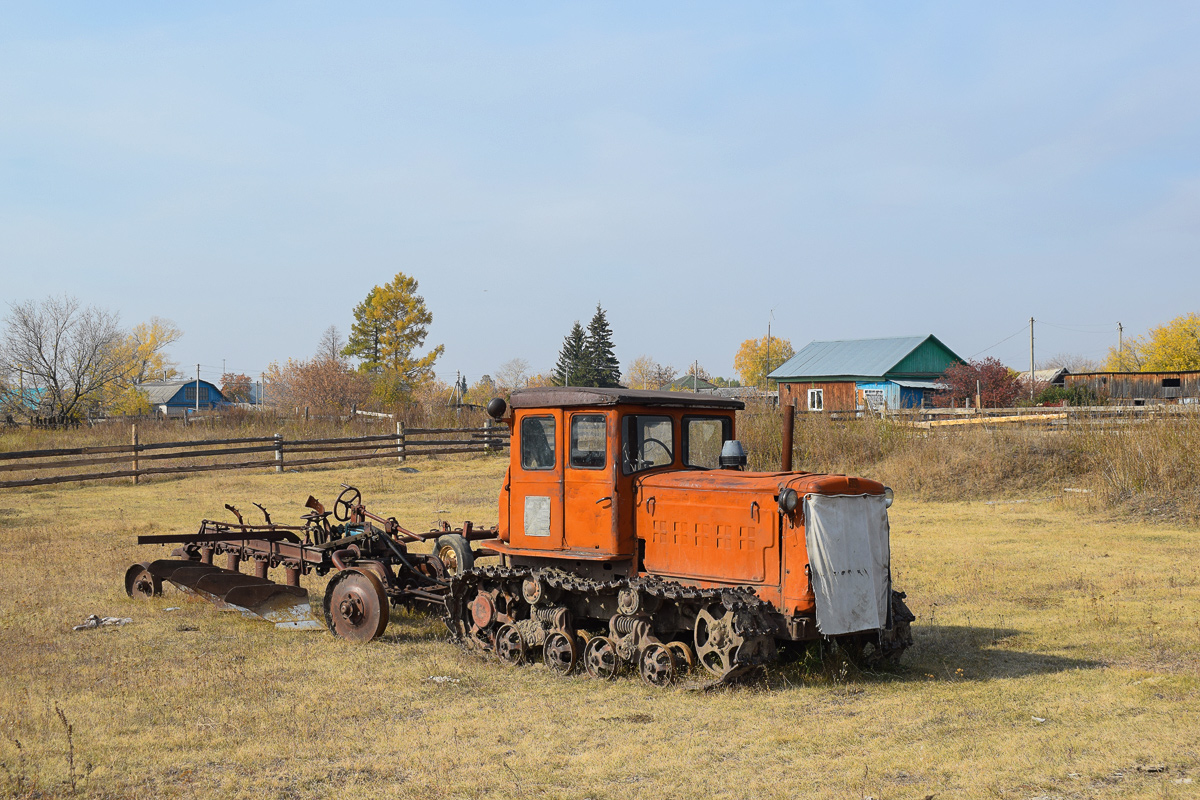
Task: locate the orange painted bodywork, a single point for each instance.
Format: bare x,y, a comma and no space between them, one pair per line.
702,527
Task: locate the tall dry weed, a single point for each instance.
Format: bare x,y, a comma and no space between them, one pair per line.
1148,465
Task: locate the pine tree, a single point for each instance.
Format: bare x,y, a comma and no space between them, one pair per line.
572,366
603,369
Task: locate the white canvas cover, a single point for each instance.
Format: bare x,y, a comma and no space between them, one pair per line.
849,555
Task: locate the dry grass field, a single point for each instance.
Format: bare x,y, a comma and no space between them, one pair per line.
1057,655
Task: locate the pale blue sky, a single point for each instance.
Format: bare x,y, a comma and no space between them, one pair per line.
251,170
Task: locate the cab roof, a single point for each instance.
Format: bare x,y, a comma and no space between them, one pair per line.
563,396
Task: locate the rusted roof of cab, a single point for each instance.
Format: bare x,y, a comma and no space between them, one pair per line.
563,396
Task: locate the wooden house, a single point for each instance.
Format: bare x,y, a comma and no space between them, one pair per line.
847,375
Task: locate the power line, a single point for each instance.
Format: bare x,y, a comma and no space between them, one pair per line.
1018,332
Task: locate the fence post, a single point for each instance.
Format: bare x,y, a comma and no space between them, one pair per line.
279,452
135,453
489,446
400,456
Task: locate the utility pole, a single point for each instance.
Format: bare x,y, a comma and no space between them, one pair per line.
262,382
1120,347
197,387
1031,358
695,375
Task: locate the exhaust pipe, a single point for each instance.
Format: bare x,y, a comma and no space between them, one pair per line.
789,424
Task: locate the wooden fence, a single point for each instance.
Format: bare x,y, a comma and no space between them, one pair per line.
154,458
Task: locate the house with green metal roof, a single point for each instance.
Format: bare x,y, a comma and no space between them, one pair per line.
854,374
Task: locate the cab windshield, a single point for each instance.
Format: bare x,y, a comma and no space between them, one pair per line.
646,442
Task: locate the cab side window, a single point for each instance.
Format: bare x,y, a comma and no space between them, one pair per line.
588,441
537,443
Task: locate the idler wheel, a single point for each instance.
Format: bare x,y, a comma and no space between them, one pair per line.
717,641
657,665
141,584
356,605
560,653
510,645
600,658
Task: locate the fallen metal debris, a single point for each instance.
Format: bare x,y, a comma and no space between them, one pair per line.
97,621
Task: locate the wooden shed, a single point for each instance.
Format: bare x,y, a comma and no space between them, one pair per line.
1139,388
853,374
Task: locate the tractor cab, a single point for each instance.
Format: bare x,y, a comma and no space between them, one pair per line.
577,455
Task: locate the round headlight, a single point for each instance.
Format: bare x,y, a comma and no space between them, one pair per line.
788,499
888,495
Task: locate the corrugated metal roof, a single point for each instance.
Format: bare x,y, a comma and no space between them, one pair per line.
160,392
849,357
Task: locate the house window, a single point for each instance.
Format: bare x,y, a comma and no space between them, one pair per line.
1170,383
816,399
189,394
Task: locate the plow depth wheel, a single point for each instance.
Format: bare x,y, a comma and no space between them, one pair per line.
356,605
141,584
455,552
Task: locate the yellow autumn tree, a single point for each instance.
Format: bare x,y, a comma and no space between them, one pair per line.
753,363
390,325
143,357
1173,346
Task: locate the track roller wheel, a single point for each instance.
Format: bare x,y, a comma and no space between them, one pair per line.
510,645
685,657
657,666
356,605
560,653
141,584
454,551
600,658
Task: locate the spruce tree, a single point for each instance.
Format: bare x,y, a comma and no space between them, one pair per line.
572,366
603,369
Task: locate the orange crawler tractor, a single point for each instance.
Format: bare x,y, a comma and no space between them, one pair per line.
630,534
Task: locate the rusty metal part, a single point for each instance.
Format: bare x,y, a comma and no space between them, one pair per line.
510,645
656,665
600,658
483,610
286,606
717,641
685,657
356,605
560,653
141,583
